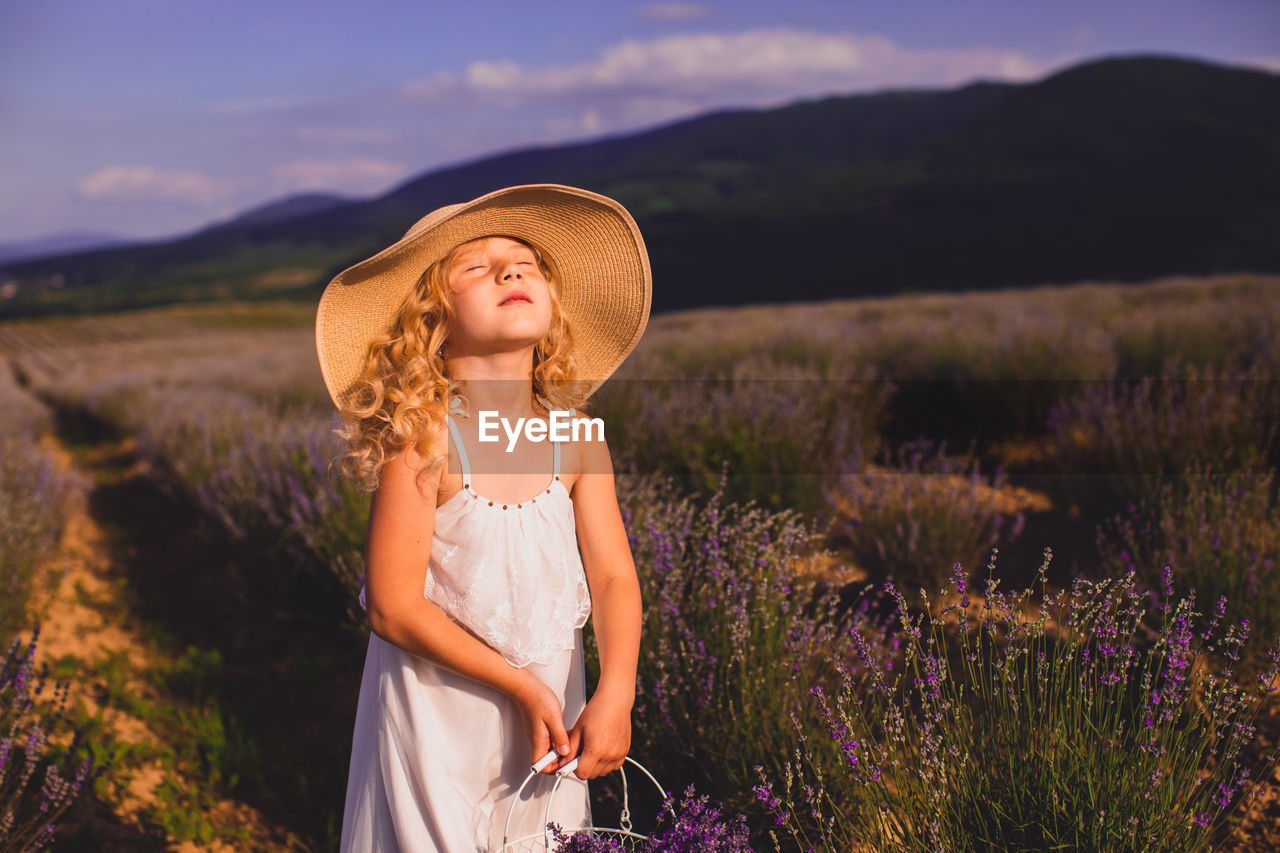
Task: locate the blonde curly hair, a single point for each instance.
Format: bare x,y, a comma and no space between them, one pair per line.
402,396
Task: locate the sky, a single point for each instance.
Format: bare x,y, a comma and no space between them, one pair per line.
152,118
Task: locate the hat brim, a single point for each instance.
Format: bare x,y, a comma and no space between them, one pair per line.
605,283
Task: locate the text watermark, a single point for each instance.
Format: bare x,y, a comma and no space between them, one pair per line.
561,426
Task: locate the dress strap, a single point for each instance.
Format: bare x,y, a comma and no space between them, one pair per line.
555,468
462,452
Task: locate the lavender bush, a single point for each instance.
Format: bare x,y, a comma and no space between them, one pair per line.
1219,322
35,496
734,634
29,813
274,496
1132,434
1221,534
1085,722
990,366
253,461
781,429
203,405
919,514
695,826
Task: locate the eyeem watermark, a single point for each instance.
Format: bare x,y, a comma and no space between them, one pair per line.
562,426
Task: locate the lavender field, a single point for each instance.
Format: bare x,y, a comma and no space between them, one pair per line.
988,571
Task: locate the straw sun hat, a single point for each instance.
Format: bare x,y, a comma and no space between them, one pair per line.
589,240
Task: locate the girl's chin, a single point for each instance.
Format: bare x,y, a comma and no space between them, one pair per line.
513,339
523,331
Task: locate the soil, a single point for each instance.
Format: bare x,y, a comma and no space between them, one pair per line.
85,612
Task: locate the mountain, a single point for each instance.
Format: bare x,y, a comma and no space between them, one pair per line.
292,207
1123,168
57,244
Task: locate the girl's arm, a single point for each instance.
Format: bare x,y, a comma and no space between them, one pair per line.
401,526
604,728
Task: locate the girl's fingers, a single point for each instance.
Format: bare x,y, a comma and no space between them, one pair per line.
559,739
587,763
561,758
575,741
575,738
545,726
591,764
541,745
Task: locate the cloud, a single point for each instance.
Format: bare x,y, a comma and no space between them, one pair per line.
358,175
674,12
585,123
142,191
645,80
143,183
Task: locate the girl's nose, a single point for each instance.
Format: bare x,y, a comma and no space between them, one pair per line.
511,271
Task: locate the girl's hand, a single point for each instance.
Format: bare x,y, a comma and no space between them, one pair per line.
603,732
543,721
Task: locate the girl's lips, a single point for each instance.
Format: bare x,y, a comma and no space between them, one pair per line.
516,298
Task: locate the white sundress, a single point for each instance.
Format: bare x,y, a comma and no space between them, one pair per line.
436,757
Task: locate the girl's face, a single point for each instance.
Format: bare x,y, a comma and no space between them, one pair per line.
501,299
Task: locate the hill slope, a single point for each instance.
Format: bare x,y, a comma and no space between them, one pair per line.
1122,168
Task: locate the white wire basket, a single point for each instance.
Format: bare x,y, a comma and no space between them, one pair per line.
625,834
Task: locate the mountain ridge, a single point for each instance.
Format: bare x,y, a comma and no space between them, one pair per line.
1121,168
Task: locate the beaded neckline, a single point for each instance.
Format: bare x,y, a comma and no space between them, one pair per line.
481,500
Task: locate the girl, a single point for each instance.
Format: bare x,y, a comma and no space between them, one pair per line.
518,304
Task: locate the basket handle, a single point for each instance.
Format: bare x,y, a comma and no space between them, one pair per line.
564,773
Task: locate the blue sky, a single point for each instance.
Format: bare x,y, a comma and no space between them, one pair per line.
149,118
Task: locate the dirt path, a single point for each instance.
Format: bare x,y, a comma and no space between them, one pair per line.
148,800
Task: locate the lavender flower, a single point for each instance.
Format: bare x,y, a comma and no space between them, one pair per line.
694,826
1019,725
31,816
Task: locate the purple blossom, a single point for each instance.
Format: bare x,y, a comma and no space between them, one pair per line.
693,826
